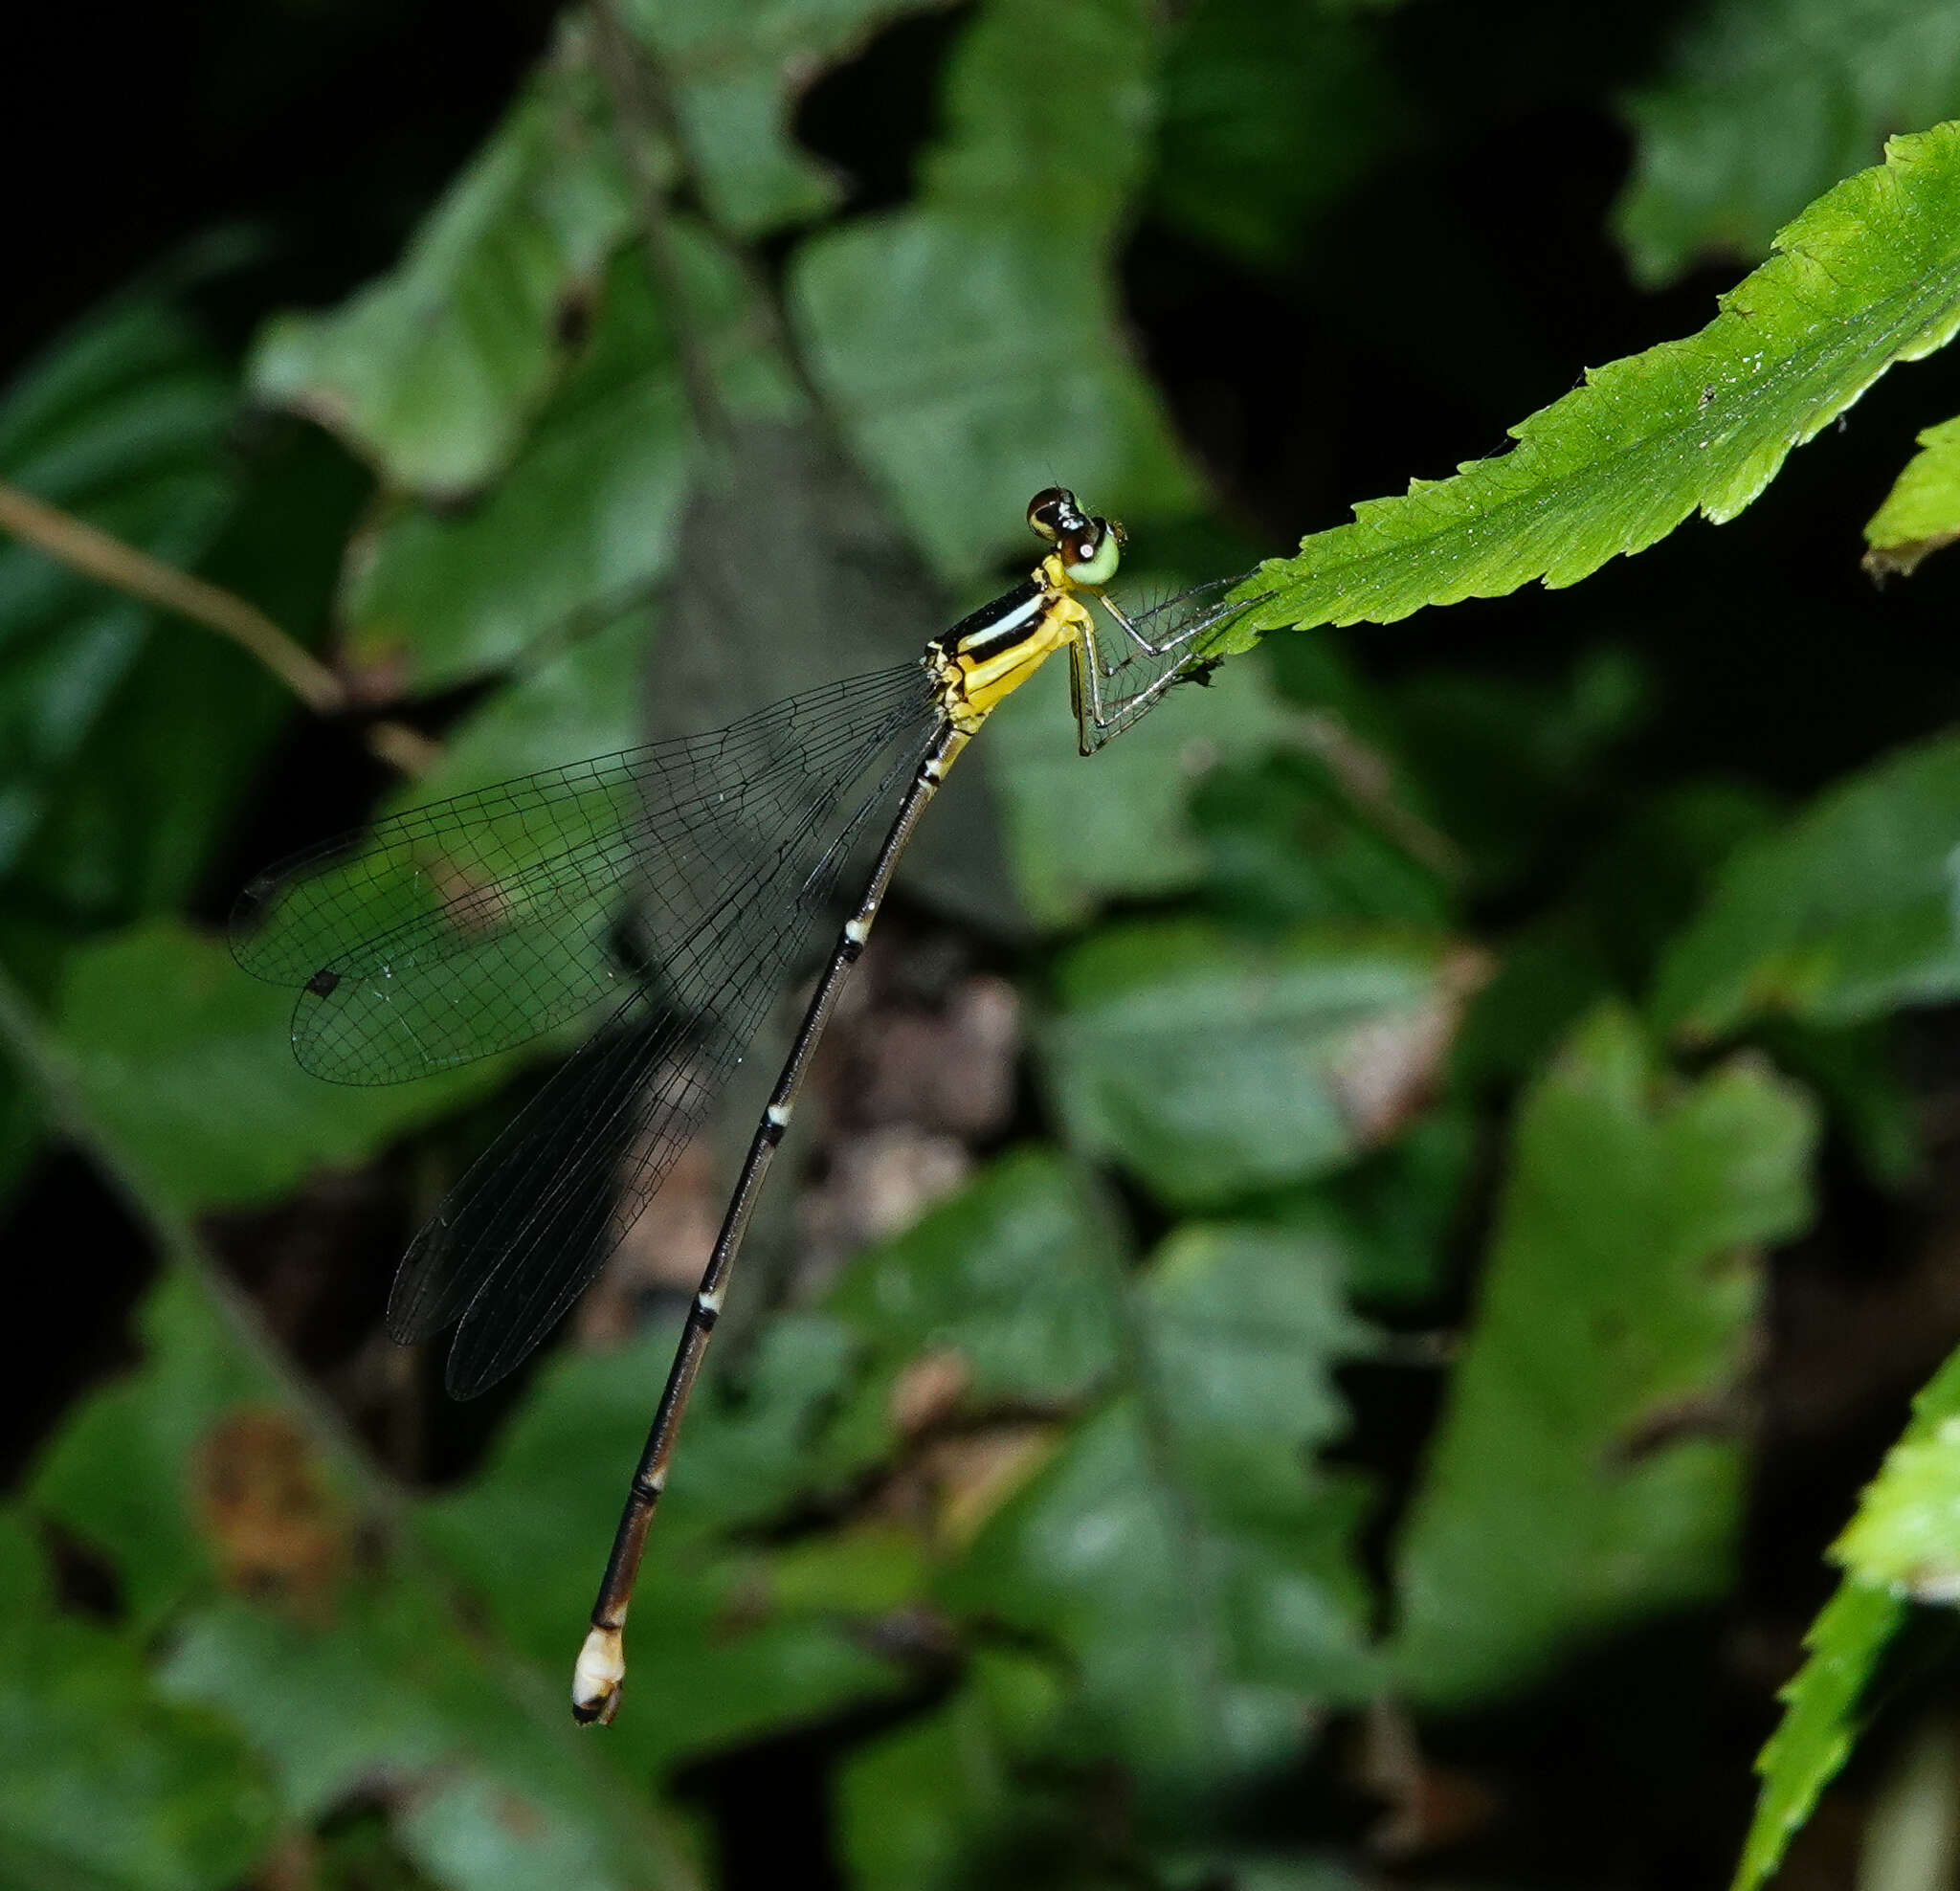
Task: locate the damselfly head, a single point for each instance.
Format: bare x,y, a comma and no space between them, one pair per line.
1054,511
1089,547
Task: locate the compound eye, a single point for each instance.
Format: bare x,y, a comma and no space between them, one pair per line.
1052,511
1090,556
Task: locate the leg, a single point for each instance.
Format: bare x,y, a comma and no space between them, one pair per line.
1098,726
1087,674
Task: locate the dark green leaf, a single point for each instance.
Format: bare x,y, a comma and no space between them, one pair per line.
1545,981
1852,1070
1843,915
586,519
1210,1065
1179,1545
116,1472
380,1679
1765,104
1271,114
185,1062
488,1799
917,1806
433,373
1584,1477
583,700
970,346
1504,763
725,1643
102,1783
1114,826
132,826
121,424
1286,845
1013,1278
732,71
100,1774
1397,1211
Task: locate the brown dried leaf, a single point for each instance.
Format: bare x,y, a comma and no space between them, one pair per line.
262,1499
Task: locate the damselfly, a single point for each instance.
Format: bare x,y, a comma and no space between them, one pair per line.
675,883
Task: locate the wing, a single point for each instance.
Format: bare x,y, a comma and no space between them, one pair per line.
477,923
535,1218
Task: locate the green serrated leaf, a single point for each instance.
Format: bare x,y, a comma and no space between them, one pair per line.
1843,914
1922,512
1866,277
1765,104
734,70
188,1063
1815,1736
1581,1479
1212,1065
433,373
971,345
1898,1543
1902,1538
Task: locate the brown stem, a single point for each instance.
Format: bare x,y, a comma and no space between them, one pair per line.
101,555
95,553
637,118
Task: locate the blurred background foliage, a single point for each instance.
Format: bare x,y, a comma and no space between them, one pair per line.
1349,1257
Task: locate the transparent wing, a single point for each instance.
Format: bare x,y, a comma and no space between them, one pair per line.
535,1218
477,923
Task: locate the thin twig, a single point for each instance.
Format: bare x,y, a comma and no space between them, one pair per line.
636,116
762,305
1368,778
123,566
84,547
